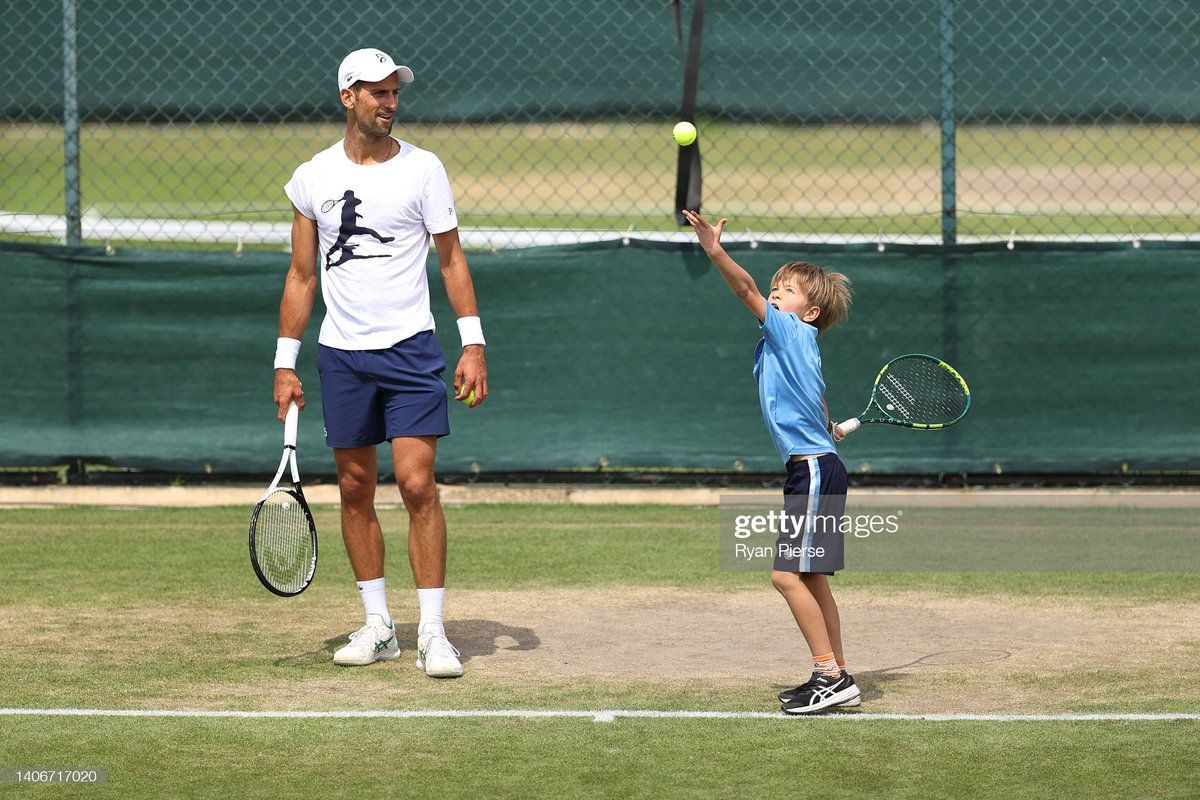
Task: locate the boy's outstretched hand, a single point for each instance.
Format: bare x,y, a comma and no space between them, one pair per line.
738,279
710,237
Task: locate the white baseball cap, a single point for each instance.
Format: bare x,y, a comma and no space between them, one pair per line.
370,64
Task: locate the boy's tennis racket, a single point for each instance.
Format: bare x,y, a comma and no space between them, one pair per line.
283,536
915,391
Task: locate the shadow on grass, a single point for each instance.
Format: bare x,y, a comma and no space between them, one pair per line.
472,637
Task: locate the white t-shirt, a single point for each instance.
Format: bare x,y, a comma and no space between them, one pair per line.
374,223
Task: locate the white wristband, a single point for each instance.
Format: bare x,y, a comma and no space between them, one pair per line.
286,351
470,331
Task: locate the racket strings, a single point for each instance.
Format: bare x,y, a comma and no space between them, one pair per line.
922,391
283,541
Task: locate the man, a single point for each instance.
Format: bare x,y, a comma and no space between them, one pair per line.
368,207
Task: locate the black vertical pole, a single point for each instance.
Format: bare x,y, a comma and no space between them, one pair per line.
688,179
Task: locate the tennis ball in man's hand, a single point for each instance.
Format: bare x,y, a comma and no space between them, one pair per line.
470,398
685,133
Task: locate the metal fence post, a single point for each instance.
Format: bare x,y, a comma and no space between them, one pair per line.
74,377
949,156
71,127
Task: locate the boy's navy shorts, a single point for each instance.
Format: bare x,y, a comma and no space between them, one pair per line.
815,498
369,396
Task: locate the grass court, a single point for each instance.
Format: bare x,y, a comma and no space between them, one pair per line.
571,608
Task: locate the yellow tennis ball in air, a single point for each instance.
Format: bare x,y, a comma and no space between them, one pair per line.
685,133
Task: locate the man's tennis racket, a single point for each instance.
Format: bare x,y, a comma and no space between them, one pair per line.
915,391
283,536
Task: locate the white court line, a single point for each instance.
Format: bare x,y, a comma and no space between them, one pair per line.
601,715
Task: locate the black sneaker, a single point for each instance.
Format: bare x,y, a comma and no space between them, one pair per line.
822,692
787,695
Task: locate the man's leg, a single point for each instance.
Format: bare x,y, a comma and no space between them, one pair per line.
357,473
413,456
414,459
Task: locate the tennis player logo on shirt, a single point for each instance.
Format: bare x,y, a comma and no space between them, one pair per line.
350,227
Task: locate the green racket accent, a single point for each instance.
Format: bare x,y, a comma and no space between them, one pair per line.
917,391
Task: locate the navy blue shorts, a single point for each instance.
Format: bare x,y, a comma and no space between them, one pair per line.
374,395
815,496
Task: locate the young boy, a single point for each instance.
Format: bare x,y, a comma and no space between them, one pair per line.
805,300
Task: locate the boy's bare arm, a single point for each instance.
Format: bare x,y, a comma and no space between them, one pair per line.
834,430
739,280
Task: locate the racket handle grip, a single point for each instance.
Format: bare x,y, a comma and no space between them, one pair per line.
290,424
850,425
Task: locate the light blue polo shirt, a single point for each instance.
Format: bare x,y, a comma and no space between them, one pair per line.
787,366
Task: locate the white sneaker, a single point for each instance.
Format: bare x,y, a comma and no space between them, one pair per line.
372,642
437,656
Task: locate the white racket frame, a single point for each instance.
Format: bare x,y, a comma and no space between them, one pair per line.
291,422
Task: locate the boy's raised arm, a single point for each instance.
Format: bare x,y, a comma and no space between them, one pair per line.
739,280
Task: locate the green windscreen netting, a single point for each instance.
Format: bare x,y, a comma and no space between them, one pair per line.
628,356
520,60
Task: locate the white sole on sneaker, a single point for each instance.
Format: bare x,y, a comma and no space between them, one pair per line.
352,661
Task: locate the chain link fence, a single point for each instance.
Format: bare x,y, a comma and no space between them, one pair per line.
903,120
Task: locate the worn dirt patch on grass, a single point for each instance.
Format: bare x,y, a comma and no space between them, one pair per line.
910,651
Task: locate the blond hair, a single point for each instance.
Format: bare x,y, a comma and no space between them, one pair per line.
827,290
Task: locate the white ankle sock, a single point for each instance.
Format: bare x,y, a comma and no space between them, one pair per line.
374,598
431,601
